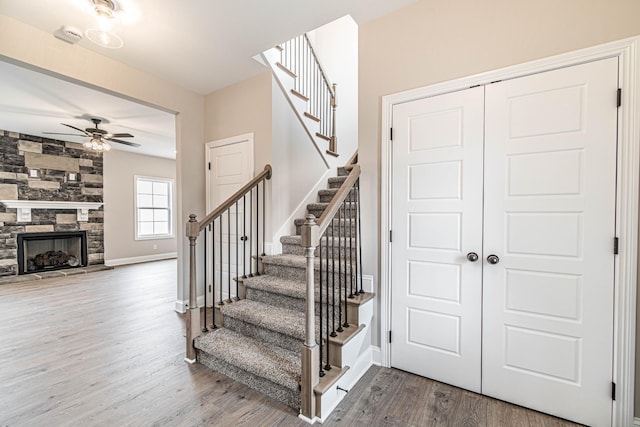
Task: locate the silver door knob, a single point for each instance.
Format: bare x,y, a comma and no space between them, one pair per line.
493,259
472,256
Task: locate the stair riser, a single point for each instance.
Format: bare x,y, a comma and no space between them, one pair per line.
326,196
336,228
293,249
288,397
299,304
300,274
341,214
336,183
254,331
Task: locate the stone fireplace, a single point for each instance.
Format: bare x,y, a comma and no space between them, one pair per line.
38,252
48,186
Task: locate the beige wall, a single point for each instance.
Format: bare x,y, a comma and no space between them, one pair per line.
120,244
34,48
434,41
242,108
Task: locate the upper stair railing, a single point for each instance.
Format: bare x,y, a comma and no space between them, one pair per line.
336,235
298,56
234,243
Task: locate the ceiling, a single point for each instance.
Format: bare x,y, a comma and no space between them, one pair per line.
201,45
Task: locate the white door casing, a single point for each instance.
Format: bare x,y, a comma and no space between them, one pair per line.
437,220
549,215
229,165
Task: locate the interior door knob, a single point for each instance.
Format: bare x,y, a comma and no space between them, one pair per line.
472,256
493,259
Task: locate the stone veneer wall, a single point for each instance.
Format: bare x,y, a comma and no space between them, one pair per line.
53,160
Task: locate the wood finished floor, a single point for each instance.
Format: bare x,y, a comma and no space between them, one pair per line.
106,349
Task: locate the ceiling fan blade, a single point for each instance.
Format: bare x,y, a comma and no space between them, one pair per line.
68,134
78,129
132,144
117,135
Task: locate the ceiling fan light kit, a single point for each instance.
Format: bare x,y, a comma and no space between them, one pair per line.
99,138
97,144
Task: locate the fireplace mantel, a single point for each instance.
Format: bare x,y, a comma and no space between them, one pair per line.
24,207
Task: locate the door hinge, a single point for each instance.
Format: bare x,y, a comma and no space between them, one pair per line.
619,97
390,236
209,165
615,245
391,134
209,288
613,391
389,337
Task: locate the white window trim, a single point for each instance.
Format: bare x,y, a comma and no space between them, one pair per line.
172,225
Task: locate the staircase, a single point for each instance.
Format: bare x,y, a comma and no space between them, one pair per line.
259,335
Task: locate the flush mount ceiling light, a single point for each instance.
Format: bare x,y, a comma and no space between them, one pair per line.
106,11
104,8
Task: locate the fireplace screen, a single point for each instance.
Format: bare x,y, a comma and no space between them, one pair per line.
39,252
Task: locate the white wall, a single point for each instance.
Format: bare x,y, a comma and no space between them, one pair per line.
120,245
336,44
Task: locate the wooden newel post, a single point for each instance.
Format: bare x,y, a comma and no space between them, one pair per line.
310,363
193,312
333,143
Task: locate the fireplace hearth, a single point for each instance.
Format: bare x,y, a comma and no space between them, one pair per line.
38,252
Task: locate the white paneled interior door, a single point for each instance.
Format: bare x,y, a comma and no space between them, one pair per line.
550,185
230,166
437,202
542,164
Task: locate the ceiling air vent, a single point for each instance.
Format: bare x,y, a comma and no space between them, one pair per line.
69,34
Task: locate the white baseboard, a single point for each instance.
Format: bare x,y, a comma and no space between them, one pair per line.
139,259
181,307
376,355
367,283
636,421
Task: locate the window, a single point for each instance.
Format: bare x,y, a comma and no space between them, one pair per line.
153,208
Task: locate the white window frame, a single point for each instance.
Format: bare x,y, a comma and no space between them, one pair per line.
171,183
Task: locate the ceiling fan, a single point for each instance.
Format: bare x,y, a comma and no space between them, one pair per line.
100,138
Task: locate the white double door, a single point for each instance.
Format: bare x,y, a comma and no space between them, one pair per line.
521,174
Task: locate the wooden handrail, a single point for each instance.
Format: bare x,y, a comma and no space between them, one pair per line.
214,214
336,203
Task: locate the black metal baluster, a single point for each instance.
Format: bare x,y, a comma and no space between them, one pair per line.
204,325
340,268
321,302
359,232
237,265
250,231
350,197
327,366
264,191
333,281
221,281
229,254
244,236
257,230
342,224
213,276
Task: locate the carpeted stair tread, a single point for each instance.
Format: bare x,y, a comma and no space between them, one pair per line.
262,359
336,181
289,260
297,240
277,285
278,319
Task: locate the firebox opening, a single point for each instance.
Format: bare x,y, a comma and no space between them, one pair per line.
39,252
